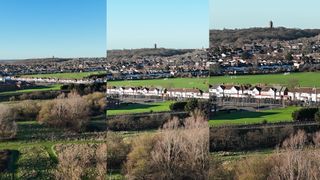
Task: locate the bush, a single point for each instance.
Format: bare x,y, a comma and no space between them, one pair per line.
232,139
178,106
305,114
70,113
81,161
97,102
39,95
139,164
27,110
8,126
117,151
136,123
176,152
191,105
317,116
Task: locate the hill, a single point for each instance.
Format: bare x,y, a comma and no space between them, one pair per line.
242,36
135,53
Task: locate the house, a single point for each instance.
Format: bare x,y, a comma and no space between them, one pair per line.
305,94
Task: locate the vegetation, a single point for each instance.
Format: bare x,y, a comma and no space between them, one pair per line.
81,161
250,117
146,52
74,75
175,153
241,36
237,139
178,106
190,106
297,158
70,112
137,123
317,116
8,127
305,114
84,89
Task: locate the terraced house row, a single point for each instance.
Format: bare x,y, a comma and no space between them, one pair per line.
305,94
160,92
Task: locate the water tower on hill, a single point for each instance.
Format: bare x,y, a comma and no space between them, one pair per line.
271,24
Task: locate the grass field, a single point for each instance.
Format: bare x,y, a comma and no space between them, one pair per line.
141,108
246,117
77,75
307,79
55,87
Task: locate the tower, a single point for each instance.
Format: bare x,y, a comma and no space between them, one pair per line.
155,46
271,25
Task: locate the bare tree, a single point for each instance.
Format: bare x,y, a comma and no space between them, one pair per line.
182,152
296,160
71,112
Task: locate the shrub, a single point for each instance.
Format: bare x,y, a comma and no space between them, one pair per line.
317,116
39,95
71,113
305,114
139,164
178,106
97,102
26,110
191,105
117,151
82,161
253,168
177,152
8,126
134,123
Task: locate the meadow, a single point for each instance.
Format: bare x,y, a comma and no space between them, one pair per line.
305,79
251,117
75,75
55,87
137,108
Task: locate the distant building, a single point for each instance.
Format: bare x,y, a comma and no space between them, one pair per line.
155,46
271,24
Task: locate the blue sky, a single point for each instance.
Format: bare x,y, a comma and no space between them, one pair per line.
169,23
46,28
257,13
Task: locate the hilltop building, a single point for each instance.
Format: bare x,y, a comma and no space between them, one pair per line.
271,24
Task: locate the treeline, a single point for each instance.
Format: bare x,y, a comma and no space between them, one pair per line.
243,139
241,36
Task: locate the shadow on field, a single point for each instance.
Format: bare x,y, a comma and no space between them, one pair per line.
241,114
135,106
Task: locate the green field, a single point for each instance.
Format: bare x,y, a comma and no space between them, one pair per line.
201,83
248,117
55,87
77,75
307,79
141,108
